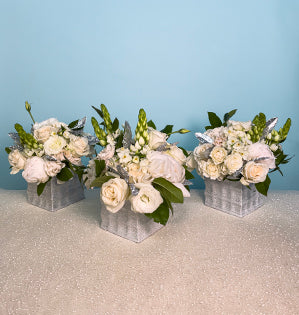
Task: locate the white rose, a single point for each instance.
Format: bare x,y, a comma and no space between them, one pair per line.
147,200
233,162
261,150
202,152
163,165
52,168
17,160
73,158
34,171
218,155
107,153
255,172
177,154
54,145
114,194
79,145
138,174
212,170
156,138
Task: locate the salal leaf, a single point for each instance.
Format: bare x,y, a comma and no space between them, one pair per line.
168,190
65,174
161,214
151,124
167,129
214,120
98,111
40,188
100,166
228,116
264,186
98,182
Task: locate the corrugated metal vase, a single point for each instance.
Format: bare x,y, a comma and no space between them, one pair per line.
56,196
128,224
232,197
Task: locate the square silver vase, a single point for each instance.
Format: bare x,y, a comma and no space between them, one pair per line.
128,224
56,196
232,197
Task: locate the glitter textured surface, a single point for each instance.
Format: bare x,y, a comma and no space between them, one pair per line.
203,262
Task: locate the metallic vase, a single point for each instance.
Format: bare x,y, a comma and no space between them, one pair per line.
56,196
232,197
128,224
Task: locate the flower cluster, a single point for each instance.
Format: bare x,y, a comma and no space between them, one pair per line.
245,151
51,149
145,169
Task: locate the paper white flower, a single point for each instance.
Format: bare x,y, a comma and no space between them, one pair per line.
218,155
34,171
233,162
163,165
124,155
17,160
156,138
54,145
114,194
255,172
52,168
147,200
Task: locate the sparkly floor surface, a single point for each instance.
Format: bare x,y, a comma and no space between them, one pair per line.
202,262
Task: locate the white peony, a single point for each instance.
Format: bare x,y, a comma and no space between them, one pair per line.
261,150
107,153
233,162
79,145
52,168
255,172
163,165
114,194
17,160
54,145
147,200
177,154
156,138
218,155
34,171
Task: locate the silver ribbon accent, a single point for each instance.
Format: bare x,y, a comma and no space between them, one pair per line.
270,124
18,147
261,159
50,158
202,138
165,146
127,140
92,140
80,124
14,136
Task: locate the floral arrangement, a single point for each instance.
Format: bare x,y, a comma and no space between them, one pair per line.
145,169
52,148
241,151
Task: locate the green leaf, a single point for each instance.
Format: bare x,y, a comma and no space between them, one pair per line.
65,174
168,190
73,123
98,111
161,214
167,129
228,115
100,166
264,186
41,187
208,127
98,182
8,150
115,124
260,121
215,121
188,175
119,141
285,129
151,124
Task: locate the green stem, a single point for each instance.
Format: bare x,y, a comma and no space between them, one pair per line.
31,117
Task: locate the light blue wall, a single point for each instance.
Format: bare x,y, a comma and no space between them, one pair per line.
177,59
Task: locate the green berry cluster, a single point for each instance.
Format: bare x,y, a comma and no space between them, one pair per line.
141,131
100,133
27,139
